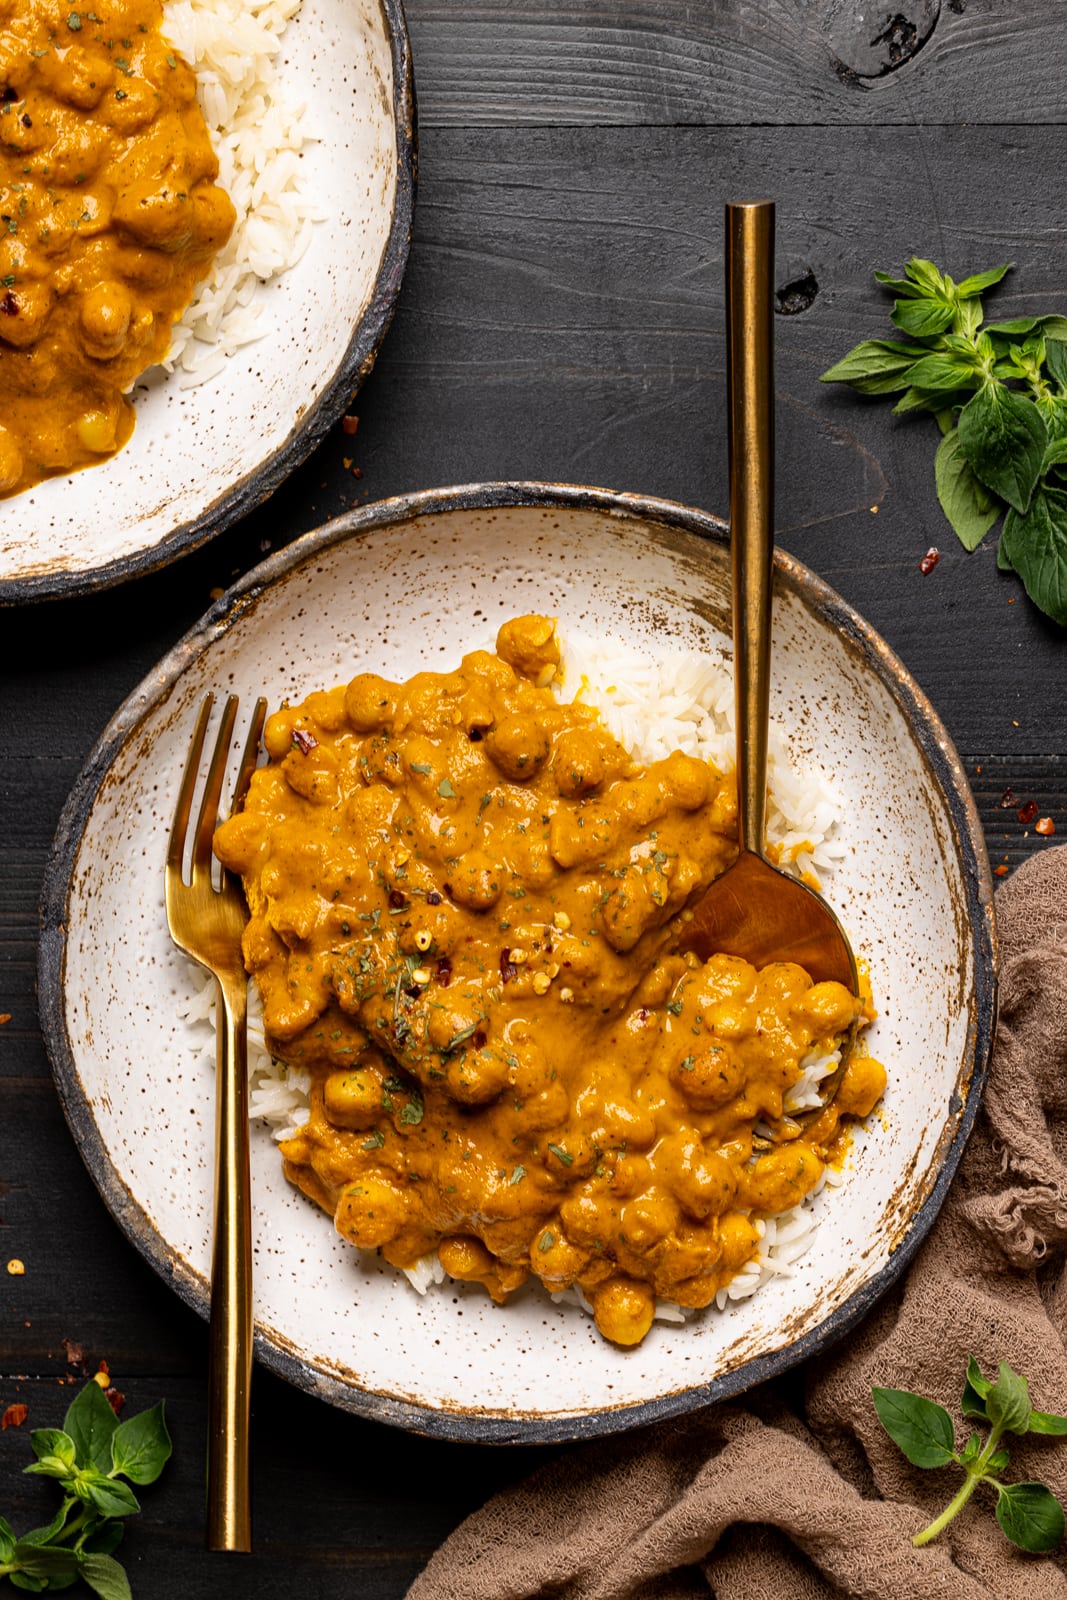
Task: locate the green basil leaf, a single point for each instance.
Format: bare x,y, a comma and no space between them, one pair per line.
90,1422
976,1388
110,1496
922,317
1055,454
920,1428
45,1560
1056,361
1008,1401
25,1580
1053,327
900,286
7,1539
966,502
141,1447
920,400
105,1538
927,276
971,1450
52,1444
1003,437
105,1576
1035,546
1004,561
1047,1422
46,1535
997,1462
876,366
982,280
944,372
1031,1516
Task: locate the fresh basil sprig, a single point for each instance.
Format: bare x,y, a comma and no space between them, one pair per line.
999,393
89,1457
1028,1513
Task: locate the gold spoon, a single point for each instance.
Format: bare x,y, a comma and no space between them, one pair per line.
754,910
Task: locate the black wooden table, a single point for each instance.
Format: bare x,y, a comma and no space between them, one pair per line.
562,319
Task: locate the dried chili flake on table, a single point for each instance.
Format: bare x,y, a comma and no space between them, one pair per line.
1046,826
75,1355
1001,871
930,560
350,425
5,1016
1007,799
1027,812
14,1417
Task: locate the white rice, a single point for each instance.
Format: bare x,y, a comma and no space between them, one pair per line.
682,702
259,131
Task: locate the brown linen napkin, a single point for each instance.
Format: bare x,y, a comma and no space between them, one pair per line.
759,1499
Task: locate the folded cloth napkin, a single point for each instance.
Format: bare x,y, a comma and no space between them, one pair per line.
797,1491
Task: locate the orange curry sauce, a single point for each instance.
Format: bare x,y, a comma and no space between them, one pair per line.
110,216
462,896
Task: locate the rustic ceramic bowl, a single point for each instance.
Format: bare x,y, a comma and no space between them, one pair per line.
201,457
413,583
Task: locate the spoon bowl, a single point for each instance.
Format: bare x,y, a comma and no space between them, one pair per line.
754,910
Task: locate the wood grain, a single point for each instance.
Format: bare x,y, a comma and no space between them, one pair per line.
722,64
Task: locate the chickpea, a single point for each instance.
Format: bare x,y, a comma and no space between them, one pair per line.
105,313
782,1178
829,1007
624,1310
476,881
370,702
709,1077
519,747
370,1212
352,1099
530,645
96,431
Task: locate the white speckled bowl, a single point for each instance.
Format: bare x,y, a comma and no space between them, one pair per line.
201,457
411,583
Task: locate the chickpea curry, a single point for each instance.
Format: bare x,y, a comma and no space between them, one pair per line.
111,216
463,896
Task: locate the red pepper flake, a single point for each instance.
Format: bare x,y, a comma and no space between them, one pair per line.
13,1417
305,742
9,305
397,899
1007,799
350,424
75,1355
5,1016
9,94
1001,871
1027,812
929,560
508,969
433,898
1045,825
479,1039
444,972
115,1399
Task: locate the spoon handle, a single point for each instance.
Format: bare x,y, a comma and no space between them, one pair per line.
750,435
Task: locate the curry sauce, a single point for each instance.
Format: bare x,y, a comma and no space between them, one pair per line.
463,898
111,214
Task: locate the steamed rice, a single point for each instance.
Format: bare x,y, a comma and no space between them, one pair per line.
681,701
259,131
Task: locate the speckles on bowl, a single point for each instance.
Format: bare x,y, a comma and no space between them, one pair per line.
914,891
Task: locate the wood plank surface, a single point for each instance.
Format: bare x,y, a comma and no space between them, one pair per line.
738,62
562,319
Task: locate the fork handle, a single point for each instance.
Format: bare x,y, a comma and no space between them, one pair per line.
229,1522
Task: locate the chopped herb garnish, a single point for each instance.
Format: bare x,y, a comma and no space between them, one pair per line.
562,1155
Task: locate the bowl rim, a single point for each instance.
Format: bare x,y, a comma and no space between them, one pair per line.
935,746
355,366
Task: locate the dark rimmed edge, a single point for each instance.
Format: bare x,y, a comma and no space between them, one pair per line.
936,748
355,367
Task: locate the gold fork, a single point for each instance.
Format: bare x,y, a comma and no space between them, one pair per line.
206,917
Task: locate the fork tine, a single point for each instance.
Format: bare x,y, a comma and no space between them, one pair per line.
209,806
250,756
180,825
